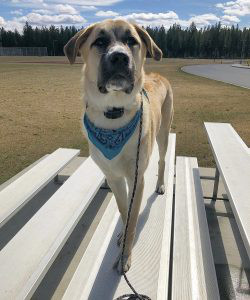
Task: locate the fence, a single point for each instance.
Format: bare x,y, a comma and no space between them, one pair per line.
23,51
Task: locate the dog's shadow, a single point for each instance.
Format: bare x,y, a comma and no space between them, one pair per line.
144,215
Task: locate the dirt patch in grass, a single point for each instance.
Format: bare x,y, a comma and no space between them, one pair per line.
41,109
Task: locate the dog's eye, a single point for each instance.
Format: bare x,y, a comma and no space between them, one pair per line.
101,42
131,41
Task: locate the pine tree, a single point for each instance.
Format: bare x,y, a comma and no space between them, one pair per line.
213,41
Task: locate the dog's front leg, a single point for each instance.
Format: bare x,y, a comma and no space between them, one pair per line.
132,223
118,187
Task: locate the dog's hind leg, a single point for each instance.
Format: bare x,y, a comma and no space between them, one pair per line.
162,138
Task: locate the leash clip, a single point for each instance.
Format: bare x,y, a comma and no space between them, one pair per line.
145,93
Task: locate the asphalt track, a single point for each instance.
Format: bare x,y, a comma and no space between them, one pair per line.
220,72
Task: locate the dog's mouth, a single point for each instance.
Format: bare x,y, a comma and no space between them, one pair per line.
117,82
115,77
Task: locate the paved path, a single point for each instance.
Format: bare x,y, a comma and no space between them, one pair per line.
225,73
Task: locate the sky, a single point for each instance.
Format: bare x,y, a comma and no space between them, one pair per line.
80,13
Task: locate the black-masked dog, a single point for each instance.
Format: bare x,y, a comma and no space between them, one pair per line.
114,52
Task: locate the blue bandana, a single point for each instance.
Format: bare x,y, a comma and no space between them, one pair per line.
111,141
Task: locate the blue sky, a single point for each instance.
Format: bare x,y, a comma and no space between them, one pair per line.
14,13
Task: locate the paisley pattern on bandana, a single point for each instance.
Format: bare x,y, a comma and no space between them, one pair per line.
111,141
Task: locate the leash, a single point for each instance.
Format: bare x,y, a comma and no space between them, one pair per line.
135,295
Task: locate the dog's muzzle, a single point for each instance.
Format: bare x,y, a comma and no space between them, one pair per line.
116,72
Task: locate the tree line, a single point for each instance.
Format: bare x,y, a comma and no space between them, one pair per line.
52,37
215,41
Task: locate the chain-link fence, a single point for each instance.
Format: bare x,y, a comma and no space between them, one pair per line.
23,51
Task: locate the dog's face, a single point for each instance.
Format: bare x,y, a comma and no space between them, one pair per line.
117,49
114,52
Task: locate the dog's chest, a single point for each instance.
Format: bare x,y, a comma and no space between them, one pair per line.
122,163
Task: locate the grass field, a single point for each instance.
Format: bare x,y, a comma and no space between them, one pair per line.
41,109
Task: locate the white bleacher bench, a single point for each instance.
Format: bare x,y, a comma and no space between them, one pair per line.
192,253
232,157
172,238
19,192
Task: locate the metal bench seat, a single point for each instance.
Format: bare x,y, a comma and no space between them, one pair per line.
194,274
232,158
169,227
20,191
27,257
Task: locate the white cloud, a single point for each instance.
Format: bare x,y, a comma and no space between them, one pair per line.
106,14
38,19
86,7
219,5
88,2
204,20
11,25
43,11
152,19
65,9
169,18
2,21
17,12
235,8
230,19
56,9
153,16
27,1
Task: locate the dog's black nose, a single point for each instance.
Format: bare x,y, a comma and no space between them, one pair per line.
119,59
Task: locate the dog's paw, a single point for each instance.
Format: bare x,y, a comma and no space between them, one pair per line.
126,264
120,239
160,189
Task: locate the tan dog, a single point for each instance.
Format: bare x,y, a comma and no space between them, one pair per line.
114,52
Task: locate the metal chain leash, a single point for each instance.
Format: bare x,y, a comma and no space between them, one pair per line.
135,295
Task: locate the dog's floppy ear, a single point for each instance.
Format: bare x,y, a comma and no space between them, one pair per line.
152,48
72,47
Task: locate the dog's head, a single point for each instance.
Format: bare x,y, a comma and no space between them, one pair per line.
114,52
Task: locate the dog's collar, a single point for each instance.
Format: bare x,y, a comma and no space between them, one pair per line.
114,113
117,112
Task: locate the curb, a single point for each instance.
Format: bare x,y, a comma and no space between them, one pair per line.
240,66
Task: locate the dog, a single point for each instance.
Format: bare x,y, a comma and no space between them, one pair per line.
114,85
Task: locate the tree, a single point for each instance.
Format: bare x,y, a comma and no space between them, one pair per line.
213,41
